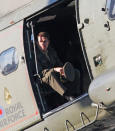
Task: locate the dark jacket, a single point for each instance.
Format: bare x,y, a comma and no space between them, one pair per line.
47,61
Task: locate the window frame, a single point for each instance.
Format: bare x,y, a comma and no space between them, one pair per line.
11,69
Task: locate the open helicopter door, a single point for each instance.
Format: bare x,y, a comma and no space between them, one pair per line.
18,108
96,25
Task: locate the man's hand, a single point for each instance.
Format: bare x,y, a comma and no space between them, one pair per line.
60,70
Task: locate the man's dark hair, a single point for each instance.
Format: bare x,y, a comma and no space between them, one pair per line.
44,34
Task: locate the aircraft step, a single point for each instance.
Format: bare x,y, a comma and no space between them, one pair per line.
82,116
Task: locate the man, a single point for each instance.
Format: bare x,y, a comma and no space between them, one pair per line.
51,68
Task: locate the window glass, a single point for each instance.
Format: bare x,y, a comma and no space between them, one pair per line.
8,61
110,8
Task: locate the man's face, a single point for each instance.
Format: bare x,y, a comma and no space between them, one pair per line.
43,42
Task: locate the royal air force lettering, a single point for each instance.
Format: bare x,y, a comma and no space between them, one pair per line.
11,114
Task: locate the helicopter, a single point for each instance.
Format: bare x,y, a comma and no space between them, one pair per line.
82,32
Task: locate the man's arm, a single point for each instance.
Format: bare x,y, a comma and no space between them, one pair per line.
56,59
58,63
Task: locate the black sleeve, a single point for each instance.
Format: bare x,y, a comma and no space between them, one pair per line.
58,62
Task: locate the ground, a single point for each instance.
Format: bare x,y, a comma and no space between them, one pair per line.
107,124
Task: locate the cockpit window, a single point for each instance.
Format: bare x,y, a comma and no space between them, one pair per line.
110,8
8,61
